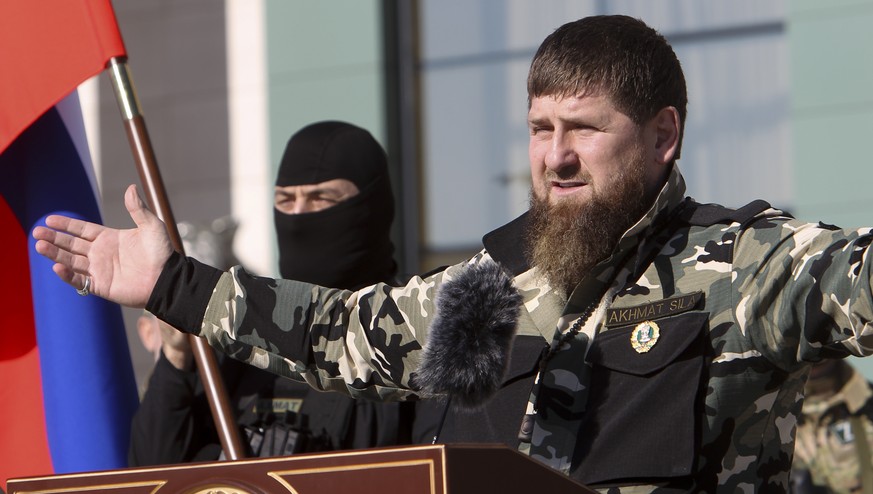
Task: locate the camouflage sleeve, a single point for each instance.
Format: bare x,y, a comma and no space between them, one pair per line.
364,343
802,290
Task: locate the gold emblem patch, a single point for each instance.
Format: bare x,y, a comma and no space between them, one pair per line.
644,336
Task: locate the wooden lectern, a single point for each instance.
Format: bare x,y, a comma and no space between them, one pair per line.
437,469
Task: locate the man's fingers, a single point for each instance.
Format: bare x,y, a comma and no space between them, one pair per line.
43,233
46,248
73,226
75,263
75,279
139,212
62,241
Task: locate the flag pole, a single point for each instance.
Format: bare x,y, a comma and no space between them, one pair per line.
153,185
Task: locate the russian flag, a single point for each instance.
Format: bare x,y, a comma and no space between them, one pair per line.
66,380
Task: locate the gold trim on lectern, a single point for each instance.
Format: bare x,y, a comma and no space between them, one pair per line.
364,466
157,484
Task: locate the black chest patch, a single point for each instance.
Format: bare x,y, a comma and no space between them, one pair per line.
653,310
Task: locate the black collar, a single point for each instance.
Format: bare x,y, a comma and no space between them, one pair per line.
506,245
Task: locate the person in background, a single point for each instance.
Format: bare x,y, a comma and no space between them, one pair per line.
333,213
832,451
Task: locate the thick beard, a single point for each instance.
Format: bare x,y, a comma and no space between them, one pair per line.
566,240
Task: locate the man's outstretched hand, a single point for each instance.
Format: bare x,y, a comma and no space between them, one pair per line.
124,265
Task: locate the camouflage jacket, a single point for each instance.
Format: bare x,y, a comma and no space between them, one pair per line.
696,340
835,434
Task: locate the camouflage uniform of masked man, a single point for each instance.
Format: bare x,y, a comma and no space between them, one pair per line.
657,344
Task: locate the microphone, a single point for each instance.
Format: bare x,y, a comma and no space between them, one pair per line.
466,353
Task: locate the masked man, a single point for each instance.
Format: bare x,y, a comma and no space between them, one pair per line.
333,213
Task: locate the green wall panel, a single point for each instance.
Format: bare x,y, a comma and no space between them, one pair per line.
831,46
833,168
324,61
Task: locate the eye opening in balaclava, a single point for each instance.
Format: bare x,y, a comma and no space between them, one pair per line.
347,245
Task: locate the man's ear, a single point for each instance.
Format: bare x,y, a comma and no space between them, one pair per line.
666,124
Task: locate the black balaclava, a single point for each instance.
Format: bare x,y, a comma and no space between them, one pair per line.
347,245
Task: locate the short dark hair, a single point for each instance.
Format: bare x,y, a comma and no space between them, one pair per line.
616,55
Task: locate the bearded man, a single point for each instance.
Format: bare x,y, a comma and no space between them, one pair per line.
654,344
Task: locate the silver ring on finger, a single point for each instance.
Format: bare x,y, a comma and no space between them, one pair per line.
86,288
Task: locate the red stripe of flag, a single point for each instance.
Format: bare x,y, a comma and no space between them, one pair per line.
48,48
25,449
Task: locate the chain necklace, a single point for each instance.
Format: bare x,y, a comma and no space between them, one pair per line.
550,350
